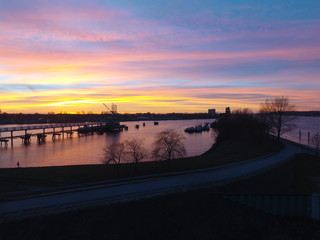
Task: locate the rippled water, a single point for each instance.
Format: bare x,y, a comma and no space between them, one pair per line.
90,149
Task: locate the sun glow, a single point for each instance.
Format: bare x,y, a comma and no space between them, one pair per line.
73,56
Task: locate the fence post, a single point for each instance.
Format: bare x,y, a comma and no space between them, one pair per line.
299,135
315,206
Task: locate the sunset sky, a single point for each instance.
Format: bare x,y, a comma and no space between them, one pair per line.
157,56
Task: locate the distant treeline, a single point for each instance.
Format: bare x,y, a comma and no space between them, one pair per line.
305,113
20,118
73,118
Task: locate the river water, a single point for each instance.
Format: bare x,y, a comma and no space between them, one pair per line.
305,125
89,149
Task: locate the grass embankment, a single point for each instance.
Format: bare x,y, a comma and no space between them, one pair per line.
31,178
300,175
197,214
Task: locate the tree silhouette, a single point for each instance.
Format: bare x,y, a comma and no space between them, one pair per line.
115,154
275,113
168,145
241,125
135,152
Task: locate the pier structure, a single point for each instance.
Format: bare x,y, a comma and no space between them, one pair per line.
57,131
4,142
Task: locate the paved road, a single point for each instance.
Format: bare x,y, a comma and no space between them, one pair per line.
140,188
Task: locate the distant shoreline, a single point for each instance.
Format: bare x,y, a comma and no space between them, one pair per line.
17,118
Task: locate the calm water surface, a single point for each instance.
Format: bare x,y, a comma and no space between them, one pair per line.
305,125
90,149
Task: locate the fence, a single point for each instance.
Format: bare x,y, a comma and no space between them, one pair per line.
302,205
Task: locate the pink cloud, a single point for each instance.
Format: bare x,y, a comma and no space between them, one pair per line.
110,46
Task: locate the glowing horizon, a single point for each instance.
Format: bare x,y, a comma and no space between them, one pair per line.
157,56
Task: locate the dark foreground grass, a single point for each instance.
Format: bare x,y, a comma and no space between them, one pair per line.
299,175
31,178
197,214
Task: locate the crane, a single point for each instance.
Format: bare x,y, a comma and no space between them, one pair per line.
113,110
107,107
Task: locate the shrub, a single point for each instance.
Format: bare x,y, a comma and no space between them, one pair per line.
241,125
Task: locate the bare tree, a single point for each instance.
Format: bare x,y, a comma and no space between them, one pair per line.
168,145
115,154
275,113
135,151
315,140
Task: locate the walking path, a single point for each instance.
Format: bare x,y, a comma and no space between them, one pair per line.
143,188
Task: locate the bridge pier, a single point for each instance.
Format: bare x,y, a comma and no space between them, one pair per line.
26,139
4,141
41,137
11,138
54,136
69,133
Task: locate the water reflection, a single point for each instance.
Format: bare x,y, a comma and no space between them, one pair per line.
306,126
89,149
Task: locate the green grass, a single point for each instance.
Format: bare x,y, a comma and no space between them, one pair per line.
30,178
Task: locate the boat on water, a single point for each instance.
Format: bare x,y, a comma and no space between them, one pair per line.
114,127
85,129
189,129
198,128
107,127
206,127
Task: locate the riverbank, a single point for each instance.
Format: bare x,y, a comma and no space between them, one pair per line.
24,179
197,214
